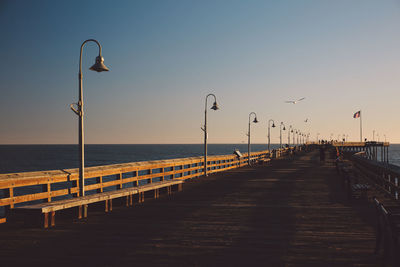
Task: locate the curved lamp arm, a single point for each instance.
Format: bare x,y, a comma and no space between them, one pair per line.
215,99
83,44
269,122
255,115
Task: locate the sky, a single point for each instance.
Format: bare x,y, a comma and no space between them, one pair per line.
165,56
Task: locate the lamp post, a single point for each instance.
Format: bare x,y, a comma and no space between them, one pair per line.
248,135
269,132
290,129
280,134
78,110
293,132
298,137
214,107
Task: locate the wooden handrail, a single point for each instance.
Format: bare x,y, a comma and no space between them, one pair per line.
45,186
385,176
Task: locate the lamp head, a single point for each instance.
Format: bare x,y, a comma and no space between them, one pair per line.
215,106
99,65
273,125
284,128
255,120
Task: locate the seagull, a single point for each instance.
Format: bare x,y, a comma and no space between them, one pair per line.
296,101
306,120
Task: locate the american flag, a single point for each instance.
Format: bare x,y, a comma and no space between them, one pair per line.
357,114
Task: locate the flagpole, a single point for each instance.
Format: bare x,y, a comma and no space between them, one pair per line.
360,127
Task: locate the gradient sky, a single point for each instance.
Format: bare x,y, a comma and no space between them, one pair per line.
165,56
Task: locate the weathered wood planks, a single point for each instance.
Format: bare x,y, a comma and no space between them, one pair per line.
48,209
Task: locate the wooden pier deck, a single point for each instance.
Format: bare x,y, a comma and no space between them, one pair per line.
289,213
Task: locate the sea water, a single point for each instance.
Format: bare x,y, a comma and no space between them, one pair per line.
25,158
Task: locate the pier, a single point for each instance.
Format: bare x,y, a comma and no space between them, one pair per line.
199,133
284,212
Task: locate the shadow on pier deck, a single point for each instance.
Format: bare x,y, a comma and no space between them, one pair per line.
290,213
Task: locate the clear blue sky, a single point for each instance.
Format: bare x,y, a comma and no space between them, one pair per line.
165,56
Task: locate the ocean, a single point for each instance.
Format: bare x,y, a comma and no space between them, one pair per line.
25,158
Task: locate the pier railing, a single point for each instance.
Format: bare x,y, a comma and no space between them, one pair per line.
385,176
46,186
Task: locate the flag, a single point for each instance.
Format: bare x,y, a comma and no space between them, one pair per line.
357,114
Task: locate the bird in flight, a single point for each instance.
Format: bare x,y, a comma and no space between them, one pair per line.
295,101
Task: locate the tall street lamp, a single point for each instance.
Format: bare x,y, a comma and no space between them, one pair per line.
280,134
293,132
78,110
290,130
269,132
214,107
298,137
248,135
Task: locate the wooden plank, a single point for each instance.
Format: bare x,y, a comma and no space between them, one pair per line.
11,196
69,203
46,220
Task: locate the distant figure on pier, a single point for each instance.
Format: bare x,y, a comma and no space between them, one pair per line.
322,154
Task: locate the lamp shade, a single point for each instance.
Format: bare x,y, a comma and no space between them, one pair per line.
99,65
273,125
215,106
255,120
284,128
